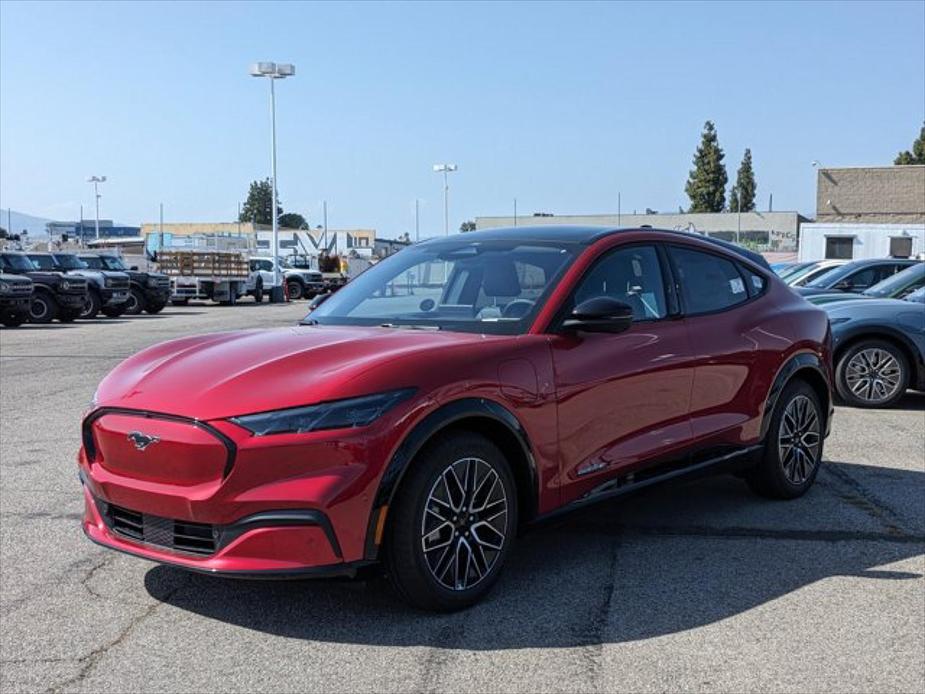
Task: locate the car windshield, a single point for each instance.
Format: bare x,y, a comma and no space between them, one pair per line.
284,263
111,262
92,262
830,278
69,262
791,269
899,284
20,263
43,262
468,286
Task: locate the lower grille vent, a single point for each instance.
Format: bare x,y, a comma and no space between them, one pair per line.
183,536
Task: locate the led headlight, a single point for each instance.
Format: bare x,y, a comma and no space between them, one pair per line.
65,285
339,414
4,287
107,281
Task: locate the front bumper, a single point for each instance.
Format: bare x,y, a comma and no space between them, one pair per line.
71,300
209,496
114,297
15,305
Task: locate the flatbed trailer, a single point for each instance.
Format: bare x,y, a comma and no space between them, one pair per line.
205,274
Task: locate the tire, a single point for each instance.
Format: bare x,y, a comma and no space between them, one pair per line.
295,290
788,471
430,579
92,305
154,308
113,311
872,373
68,315
258,292
136,302
44,308
179,302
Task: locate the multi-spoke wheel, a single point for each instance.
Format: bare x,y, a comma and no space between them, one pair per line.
452,523
793,448
464,524
872,373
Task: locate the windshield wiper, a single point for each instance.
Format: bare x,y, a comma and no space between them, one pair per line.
408,326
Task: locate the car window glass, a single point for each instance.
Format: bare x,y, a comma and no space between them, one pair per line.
756,282
708,282
631,275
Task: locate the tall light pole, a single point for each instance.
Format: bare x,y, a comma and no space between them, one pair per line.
273,72
417,220
445,169
96,180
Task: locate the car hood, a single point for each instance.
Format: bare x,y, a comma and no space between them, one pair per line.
225,374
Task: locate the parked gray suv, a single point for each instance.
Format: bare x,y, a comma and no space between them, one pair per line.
105,288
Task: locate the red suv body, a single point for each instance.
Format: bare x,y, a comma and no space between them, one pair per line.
452,394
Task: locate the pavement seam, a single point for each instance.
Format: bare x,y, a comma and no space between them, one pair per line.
861,497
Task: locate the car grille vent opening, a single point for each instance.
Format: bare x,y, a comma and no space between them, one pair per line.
181,536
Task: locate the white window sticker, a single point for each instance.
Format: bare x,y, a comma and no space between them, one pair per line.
737,285
757,282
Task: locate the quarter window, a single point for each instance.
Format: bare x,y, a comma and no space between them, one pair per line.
632,275
708,282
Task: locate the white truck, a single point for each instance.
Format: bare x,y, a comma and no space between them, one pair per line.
300,283
217,275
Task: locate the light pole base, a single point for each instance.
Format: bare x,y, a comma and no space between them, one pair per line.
276,295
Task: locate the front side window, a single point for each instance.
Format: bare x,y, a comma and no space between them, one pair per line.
43,262
18,263
112,263
632,275
708,282
92,262
69,262
488,286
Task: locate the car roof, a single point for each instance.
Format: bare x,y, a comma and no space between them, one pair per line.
861,262
586,235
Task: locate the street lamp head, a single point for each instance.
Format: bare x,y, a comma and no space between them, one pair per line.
285,70
816,164
262,69
443,168
96,179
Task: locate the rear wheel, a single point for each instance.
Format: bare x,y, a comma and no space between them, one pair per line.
136,302
793,448
92,305
295,290
453,523
258,291
44,308
872,373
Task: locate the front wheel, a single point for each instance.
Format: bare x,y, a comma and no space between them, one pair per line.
872,373
295,290
452,525
136,302
43,309
793,447
258,292
92,305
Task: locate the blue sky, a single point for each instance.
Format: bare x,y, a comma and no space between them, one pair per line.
559,105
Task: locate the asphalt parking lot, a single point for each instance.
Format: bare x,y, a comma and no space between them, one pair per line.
695,587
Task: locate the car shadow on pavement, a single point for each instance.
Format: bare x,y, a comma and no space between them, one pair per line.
667,560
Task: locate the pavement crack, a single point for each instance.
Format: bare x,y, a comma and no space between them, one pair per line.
438,655
862,498
90,661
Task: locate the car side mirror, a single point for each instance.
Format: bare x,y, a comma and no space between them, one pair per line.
602,314
318,300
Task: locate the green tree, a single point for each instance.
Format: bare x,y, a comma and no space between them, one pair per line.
743,192
468,225
917,155
259,204
293,220
706,184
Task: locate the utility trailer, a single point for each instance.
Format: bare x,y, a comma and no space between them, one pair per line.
197,273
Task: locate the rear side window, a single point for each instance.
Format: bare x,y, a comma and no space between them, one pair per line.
756,283
708,282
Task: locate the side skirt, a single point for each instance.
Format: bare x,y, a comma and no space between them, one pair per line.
626,484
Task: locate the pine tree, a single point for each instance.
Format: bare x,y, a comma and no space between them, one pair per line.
917,155
257,208
744,190
706,185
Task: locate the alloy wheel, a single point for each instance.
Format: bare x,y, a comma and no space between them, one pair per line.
799,439
873,375
464,527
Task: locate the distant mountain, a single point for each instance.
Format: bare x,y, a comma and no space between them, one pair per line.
15,222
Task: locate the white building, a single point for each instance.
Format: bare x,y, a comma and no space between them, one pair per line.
838,241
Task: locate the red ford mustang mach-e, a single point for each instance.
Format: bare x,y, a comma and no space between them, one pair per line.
452,394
